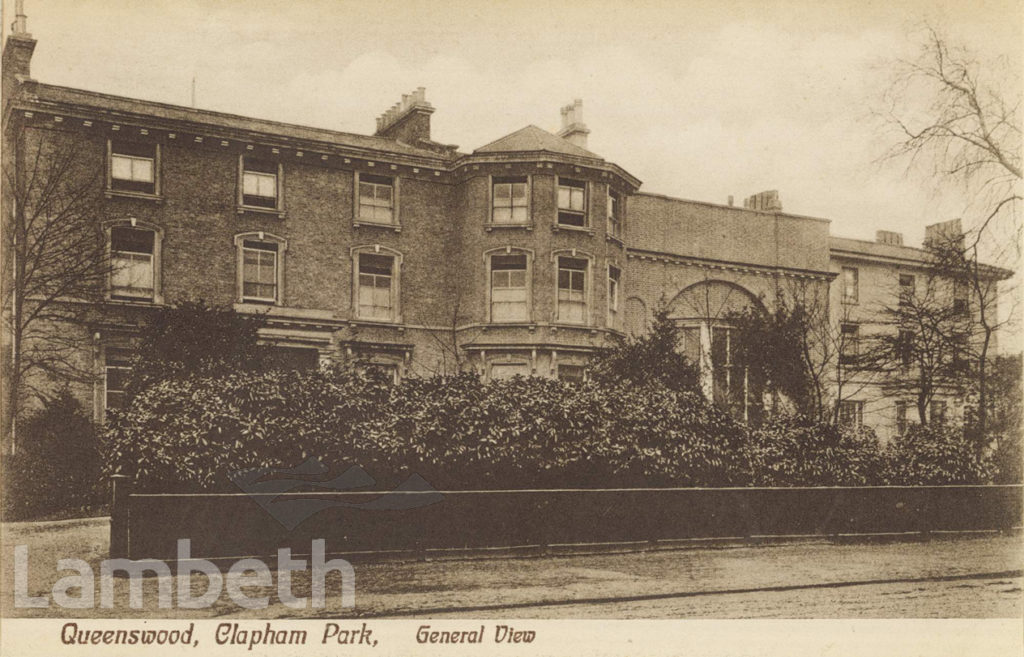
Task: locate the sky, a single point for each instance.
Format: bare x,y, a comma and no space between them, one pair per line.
700,100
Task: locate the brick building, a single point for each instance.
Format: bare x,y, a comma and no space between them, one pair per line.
523,256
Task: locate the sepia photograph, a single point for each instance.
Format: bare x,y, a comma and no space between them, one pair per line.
456,327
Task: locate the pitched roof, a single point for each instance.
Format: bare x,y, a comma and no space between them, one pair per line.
145,108
532,138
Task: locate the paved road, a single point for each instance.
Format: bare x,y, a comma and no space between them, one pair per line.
963,577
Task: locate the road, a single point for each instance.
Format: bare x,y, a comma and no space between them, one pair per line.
969,577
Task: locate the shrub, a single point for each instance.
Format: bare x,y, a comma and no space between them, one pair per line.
192,338
56,471
930,455
456,432
790,450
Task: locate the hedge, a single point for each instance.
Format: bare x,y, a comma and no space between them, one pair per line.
456,432
460,433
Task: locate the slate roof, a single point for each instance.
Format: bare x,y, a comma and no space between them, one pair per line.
531,138
144,108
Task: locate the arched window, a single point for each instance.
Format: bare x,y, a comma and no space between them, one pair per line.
509,284
260,267
376,285
703,311
134,249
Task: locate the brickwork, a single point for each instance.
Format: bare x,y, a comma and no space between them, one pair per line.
443,232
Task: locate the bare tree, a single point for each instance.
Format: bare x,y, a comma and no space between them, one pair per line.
960,118
923,347
57,265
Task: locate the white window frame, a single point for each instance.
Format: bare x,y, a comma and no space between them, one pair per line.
858,412
282,248
576,184
850,299
613,298
396,282
395,222
107,354
155,163
493,181
279,188
588,286
157,259
901,408
509,250
615,219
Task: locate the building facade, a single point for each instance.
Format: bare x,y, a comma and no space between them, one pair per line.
524,256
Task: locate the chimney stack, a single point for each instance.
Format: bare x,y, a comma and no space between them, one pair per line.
944,233
574,130
889,237
407,121
17,54
764,201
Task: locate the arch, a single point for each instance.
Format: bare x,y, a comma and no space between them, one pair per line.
711,300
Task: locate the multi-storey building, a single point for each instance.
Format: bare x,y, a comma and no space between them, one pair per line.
523,256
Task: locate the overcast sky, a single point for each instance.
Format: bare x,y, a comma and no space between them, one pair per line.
700,99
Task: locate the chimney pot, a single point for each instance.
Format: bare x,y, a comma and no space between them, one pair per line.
573,129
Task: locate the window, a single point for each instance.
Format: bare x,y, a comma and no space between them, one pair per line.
613,294
259,271
133,167
849,343
260,268
376,199
260,183
938,412
116,368
384,371
961,296
851,414
906,289
376,291
132,263
508,370
851,292
510,201
905,347
571,373
614,215
572,203
901,418
509,288
572,290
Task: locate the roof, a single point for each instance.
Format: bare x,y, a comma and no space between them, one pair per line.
891,253
871,249
150,109
532,138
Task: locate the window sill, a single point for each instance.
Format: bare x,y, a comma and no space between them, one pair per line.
500,325
617,240
377,322
568,325
142,196
491,226
577,229
369,224
242,209
137,303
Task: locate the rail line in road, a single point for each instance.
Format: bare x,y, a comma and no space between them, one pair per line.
468,609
